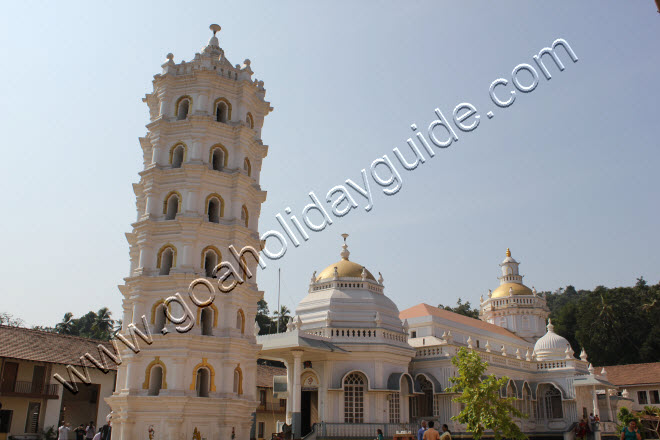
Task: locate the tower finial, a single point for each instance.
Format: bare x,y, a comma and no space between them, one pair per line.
344,253
508,252
215,28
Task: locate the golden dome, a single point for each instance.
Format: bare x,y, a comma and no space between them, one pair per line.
345,269
518,289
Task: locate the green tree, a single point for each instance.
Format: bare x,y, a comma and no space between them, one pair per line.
483,408
282,316
8,319
461,308
263,318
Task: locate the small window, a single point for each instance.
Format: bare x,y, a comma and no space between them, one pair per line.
642,398
210,261
655,397
183,107
214,210
207,321
202,385
261,429
159,318
166,260
249,120
172,207
282,403
413,334
218,159
245,216
247,167
262,397
221,112
177,155
155,380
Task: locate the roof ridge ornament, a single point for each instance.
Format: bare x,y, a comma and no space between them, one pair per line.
550,327
508,252
344,253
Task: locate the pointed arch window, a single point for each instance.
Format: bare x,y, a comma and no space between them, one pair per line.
247,167
222,110
183,106
354,388
218,157
172,205
240,320
249,120
178,155
245,216
166,259
238,380
215,207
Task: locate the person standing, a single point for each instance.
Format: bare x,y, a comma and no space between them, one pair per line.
106,431
91,430
446,433
379,434
63,431
431,434
631,432
422,430
80,432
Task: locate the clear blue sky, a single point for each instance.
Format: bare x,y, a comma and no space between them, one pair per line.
567,177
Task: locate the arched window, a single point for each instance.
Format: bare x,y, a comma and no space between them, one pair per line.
528,407
202,382
245,216
354,386
215,207
249,120
172,204
159,318
183,107
247,167
424,404
240,320
218,157
155,380
210,260
222,110
177,155
238,380
549,402
166,259
206,319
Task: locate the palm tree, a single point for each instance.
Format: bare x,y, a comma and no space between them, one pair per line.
103,324
283,316
67,326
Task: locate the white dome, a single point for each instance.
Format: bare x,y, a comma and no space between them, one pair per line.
551,347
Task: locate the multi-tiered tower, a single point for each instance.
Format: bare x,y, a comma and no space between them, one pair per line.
198,194
515,306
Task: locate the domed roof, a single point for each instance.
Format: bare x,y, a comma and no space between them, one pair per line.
518,289
345,269
551,347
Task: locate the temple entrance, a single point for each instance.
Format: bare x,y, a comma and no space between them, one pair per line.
309,410
421,405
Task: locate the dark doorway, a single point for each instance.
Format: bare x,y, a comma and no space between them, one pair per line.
309,410
9,374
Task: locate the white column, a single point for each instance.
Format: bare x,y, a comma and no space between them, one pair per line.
295,416
609,407
594,396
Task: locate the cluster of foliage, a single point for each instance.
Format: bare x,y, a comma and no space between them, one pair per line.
268,324
482,407
614,325
10,320
95,325
462,309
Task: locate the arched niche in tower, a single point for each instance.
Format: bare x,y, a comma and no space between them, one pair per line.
203,379
172,205
213,315
166,259
238,380
240,320
222,110
178,154
183,106
247,166
155,376
218,157
249,120
215,207
245,216
211,256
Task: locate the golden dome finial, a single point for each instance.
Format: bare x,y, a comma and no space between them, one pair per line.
508,252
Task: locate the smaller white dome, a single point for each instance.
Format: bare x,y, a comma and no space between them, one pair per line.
551,347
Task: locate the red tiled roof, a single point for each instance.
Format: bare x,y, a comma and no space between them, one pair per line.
40,346
424,310
265,375
633,374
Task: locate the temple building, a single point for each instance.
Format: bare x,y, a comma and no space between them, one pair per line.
355,362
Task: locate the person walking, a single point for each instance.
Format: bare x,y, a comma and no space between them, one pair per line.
91,430
421,431
431,434
446,433
63,431
631,432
